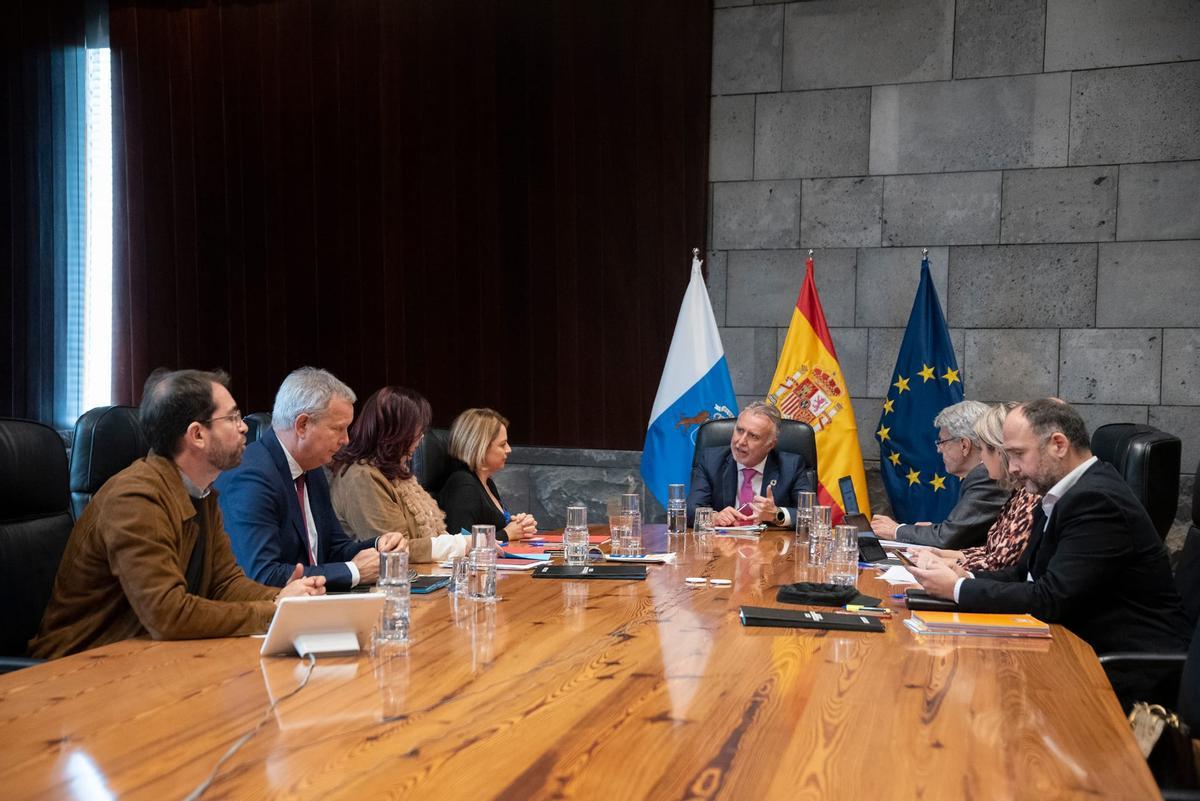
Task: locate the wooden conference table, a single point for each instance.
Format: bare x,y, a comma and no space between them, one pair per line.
586,690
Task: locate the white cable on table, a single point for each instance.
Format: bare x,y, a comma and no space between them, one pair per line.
245,738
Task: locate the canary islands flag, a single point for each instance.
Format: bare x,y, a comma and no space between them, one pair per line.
809,386
695,387
925,381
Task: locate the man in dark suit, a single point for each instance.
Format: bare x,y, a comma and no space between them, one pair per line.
276,504
980,499
734,480
1094,562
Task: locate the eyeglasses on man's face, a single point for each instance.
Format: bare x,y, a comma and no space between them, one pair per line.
937,443
235,418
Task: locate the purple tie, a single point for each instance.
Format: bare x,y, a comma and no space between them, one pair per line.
746,494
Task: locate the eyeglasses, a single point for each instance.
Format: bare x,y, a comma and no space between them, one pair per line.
234,418
937,443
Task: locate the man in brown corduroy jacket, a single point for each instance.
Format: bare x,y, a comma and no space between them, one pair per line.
149,555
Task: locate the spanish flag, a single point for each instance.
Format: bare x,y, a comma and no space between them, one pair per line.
809,386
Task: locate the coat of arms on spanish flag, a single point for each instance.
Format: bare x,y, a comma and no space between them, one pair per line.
809,386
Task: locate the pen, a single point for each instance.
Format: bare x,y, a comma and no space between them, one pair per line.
876,610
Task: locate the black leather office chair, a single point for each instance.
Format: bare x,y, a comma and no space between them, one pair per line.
431,461
1187,571
794,437
257,424
35,522
107,440
1148,459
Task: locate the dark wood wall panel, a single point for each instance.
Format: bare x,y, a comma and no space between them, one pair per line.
492,202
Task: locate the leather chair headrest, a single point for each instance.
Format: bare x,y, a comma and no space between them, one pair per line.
33,461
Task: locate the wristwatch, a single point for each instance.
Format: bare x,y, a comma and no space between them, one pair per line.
780,518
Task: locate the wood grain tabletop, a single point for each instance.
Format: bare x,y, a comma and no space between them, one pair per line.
586,690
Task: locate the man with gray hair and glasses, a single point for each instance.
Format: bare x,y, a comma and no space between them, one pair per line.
979,497
276,504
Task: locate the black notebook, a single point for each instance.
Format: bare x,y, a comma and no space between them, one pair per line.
617,571
921,600
799,619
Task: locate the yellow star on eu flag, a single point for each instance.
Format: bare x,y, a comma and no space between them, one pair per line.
888,406
951,376
913,477
883,433
901,383
894,458
926,373
937,482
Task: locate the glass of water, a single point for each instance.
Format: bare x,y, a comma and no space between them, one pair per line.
676,510
631,507
703,528
804,503
820,535
394,583
460,574
843,560
481,567
575,536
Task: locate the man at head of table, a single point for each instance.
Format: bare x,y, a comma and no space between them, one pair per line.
750,481
1094,562
149,555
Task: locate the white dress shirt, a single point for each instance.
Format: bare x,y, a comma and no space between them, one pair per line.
1052,497
310,524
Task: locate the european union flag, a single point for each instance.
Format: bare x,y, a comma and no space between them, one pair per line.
925,381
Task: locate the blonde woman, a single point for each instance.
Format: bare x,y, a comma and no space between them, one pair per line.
479,446
1007,537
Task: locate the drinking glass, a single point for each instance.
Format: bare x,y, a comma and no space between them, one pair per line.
843,562
482,570
820,535
631,507
460,571
804,503
394,583
618,531
575,536
676,510
702,527
483,537
482,565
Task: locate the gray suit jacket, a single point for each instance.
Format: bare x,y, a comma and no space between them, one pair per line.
979,503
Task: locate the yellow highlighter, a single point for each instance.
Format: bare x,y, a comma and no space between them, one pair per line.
869,610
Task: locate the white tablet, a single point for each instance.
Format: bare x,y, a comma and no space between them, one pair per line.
323,624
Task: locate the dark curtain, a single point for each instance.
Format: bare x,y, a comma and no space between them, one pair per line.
41,208
493,202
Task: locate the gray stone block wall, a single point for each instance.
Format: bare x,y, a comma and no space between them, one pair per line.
1047,152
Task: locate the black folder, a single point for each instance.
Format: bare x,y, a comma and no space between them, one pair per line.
921,600
619,571
799,619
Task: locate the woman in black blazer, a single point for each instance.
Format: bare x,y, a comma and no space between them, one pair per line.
479,446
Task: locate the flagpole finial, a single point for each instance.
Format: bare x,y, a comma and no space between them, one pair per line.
810,252
924,251
695,253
